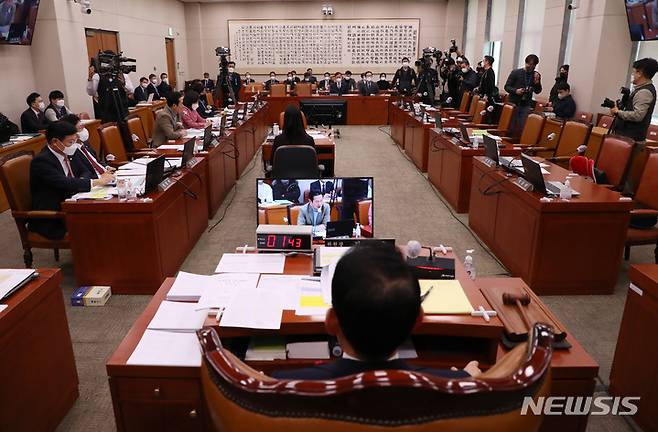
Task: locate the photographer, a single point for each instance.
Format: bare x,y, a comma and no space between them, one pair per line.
633,116
520,85
228,79
487,86
108,83
425,89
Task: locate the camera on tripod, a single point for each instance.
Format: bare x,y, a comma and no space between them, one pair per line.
223,53
609,103
111,65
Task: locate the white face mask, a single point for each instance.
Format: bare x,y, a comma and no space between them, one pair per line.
326,78
289,78
144,85
383,77
561,96
154,81
165,80
368,78
294,76
248,76
195,106
464,70
60,103
231,70
405,64
70,150
83,134
338,80
42,106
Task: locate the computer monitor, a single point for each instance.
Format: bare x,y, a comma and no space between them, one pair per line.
154,174
245,106
532,173
222,125
464,133
188,152
234,119
208,139
438,121
328,204
491,148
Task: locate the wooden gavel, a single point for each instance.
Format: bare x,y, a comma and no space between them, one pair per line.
520,301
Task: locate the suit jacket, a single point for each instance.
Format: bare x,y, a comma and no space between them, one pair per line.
317,186
81,164
166,127
305,216
208,84
164,89
32,122
153,89
518,79
344,87
269,82
202,109
50,186
351,82
367,88
404,80
344,367
324,84
141,94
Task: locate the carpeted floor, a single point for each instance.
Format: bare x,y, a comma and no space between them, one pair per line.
406,207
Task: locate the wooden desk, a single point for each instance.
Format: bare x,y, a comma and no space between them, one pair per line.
325,148
556,247
398,118
635,366
361,110
134,246
416,140
450,167
465,338
39,381
248,137
34,145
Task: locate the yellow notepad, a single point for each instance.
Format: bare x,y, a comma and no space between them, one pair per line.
447,297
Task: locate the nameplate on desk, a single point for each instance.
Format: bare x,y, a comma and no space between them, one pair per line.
523,184
192,163
166,184
489,162
350,242
455,141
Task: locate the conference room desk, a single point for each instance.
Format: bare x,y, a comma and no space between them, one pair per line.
34,145
134,246
38,378
325,148
450,167
145,397
361,110
248,137
557,247
411,134
635,366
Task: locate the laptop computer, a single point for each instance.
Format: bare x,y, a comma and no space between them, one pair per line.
188,152
245,107
532,173
343,228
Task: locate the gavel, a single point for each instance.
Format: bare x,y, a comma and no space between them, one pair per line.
520,301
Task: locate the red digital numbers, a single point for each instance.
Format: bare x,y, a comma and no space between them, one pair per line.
271,241
282,242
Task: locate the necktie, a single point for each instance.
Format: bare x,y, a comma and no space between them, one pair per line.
99,169
69,174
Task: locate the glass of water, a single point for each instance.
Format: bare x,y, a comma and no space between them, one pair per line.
122,188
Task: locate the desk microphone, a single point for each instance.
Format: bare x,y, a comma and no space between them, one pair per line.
449,100
551,136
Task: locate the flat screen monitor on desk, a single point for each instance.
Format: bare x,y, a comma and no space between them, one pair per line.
349,201
324,111
154,174
188,152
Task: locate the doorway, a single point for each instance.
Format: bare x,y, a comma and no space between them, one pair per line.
171,62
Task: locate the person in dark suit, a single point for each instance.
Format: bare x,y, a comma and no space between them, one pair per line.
322,186
248,79
234,82
520,85
153,87
293,132
564,106
295,78
376,304
290,82
204,109
487,86
382,83
469,78
164,88
351,82
284,189
325,84
33,119
141,92
54,178
368,87
311,78
272,80
339,86
208,84
405,78
85,158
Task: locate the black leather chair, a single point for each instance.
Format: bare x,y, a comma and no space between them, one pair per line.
296,162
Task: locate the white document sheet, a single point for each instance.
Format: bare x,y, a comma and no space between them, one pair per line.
256,309
224,287
251,263
191,287
287,286
163,348
3,307
11,278
178,147
175,316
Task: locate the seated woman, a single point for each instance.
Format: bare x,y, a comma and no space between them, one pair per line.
293,131
189,115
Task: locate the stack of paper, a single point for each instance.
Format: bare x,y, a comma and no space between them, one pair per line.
256,309
162,348
447,297
251,263
266,349
312,300
287,286
97,193
329,255
13,279
3,307
192,287
223,287
308,350
178,317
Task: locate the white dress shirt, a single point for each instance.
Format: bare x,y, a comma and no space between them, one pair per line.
65,167
92,85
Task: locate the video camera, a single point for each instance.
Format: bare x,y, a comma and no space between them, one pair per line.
609,103
111,65
223,53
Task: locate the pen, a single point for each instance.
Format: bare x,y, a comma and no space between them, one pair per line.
220,313
424,296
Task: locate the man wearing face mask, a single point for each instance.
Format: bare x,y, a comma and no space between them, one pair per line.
561,78
468,77
405,78
234,82
295,77
54,178
290,82
311,78
272,80
634,117
520,86
168,125
247,79
153,87
85,159
164,88
57,108
368,87
349,80
325,84
33,120
339,86
564,106
208,84
382,84
141,93
487,86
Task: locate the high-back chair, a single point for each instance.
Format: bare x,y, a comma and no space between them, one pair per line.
262,217
112,143
239,398
463,105
614,159
293,214
478,116
15,180
281,115
548,139
471,111
652,133
303,89
646,200
605,121
583,116
531,131
278,90
295,162
137,129
540,105
574,134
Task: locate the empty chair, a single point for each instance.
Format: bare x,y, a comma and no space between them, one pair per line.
583,116
471,112
500,129
15,180
605,121
278,90
614,159
239,398
293,213
531,131
549,138
294,162
137,130
646,201
112,143
463,106
574,134
254,87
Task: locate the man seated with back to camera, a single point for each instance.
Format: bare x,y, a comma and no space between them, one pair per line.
55,178
293,131
375,306
168,125
315,212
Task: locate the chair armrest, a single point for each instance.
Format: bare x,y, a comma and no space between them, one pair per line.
497,132
38,214
510,140
644,212
559,158
607,186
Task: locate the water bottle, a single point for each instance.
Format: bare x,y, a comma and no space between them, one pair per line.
275,129
469,265
357,230
566,192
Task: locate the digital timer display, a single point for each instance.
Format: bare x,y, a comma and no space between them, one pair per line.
283,242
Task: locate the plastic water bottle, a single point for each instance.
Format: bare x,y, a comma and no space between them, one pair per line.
357,230
469,265
566,192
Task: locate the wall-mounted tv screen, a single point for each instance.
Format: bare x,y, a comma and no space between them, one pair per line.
335,207
17,21
642,19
